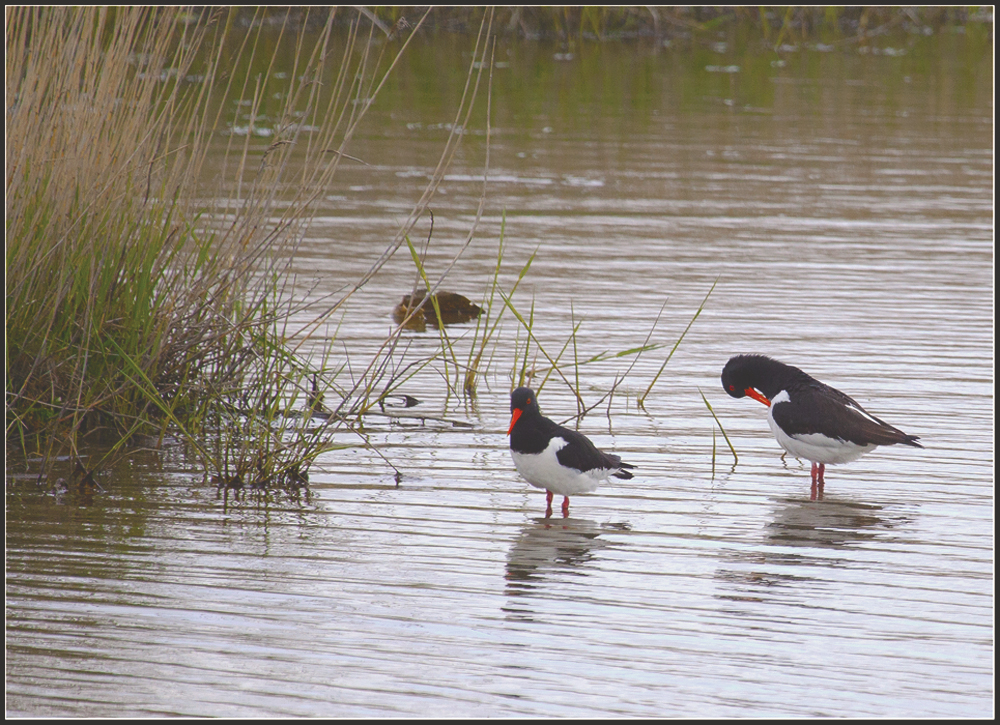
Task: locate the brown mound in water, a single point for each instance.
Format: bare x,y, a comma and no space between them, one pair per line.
454,309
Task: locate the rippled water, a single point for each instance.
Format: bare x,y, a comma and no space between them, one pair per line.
848,220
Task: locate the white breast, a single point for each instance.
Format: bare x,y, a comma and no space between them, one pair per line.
542,470
814,447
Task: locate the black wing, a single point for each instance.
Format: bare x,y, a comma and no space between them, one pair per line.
821,409
580,453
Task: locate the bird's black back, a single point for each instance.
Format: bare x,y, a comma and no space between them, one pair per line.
533,431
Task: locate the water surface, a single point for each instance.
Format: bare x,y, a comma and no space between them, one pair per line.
844,203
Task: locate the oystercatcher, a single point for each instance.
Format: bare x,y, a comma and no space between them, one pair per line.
810,420
557,459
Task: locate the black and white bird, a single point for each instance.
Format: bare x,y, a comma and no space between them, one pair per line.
549,456
811,420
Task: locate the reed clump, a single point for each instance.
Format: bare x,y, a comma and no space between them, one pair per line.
102,259
132,308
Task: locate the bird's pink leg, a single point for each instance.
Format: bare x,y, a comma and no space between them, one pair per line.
565,507
816,490
548,504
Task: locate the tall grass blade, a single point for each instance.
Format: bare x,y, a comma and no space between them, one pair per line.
641,400
736,458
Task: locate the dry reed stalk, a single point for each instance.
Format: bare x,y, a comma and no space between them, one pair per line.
129,306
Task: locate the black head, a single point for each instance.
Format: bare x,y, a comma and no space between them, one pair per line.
522,401
734,376
523,398
746,373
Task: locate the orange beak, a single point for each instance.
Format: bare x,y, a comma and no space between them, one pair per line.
513,419
758,397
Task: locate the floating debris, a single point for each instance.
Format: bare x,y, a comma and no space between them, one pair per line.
397,401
